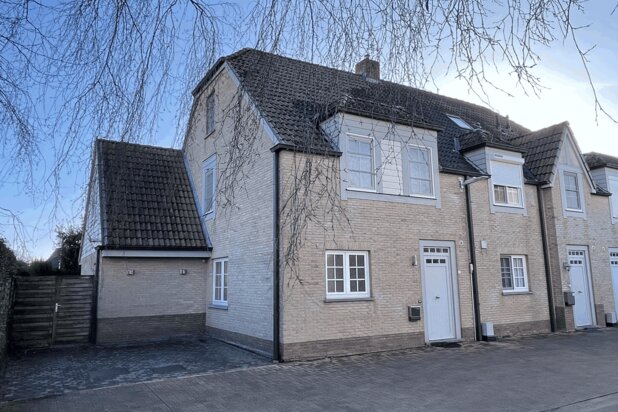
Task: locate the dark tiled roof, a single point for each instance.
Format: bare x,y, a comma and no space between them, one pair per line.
542,150
147,198
478,138
294,96
596,160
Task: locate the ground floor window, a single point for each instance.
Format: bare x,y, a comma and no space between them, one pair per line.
219,281
347,274
514,274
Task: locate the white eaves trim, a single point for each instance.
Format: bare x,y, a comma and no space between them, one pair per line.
156,253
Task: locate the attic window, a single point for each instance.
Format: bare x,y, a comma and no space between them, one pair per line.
459,122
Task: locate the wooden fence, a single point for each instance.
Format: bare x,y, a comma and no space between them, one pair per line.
52,310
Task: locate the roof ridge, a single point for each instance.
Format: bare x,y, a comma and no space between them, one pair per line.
149,146
349,73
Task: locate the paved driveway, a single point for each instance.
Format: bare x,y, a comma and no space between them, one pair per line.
56,371
576,372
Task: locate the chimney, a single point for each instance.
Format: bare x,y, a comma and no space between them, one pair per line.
368,68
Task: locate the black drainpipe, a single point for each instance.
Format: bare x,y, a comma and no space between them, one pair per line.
548,279
475,284
276,300
95,299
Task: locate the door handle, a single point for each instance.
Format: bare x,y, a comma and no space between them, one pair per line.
437,297
56,307
579,291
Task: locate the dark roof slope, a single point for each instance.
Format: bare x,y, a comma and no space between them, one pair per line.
147,200
295,96
542,149
596,160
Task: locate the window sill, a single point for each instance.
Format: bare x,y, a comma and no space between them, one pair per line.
517,292
219,306
423,196
336,300
507,205
360,189
574,210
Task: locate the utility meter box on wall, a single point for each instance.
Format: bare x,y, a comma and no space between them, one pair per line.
414,313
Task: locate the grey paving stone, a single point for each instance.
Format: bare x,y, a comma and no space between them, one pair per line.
57,371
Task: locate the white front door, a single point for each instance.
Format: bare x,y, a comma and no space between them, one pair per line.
580,286
439,303
613,261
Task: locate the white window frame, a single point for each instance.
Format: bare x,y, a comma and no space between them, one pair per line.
210,113
209,164
364,139
611,181
514,288
519,189
578,191
347,294
223,298
431,174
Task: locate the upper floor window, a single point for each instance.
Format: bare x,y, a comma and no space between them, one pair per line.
507,184
613,188
361,170
420,171
347,275
210,184
571,191
210,113
514,275
459,121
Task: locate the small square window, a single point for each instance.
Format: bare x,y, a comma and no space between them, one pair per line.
347,275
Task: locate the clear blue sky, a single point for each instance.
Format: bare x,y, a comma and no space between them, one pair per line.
567,96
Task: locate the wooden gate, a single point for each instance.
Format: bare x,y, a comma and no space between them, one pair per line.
52,310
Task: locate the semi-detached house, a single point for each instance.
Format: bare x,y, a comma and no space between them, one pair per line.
315,212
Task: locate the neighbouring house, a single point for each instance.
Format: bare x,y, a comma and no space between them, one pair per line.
315,212
55,259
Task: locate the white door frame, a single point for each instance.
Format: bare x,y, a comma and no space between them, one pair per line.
454,284
589,280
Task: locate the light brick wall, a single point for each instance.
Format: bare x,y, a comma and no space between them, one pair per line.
242,231
509,234
156,288
391,232
595,231
89,265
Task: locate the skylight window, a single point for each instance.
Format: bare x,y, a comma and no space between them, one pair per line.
459,122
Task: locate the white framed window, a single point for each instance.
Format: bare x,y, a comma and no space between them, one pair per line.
613,188
514,273
507,181
572,193
361,169
219,282
459,121
421,172
210,185
347,275
210,113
